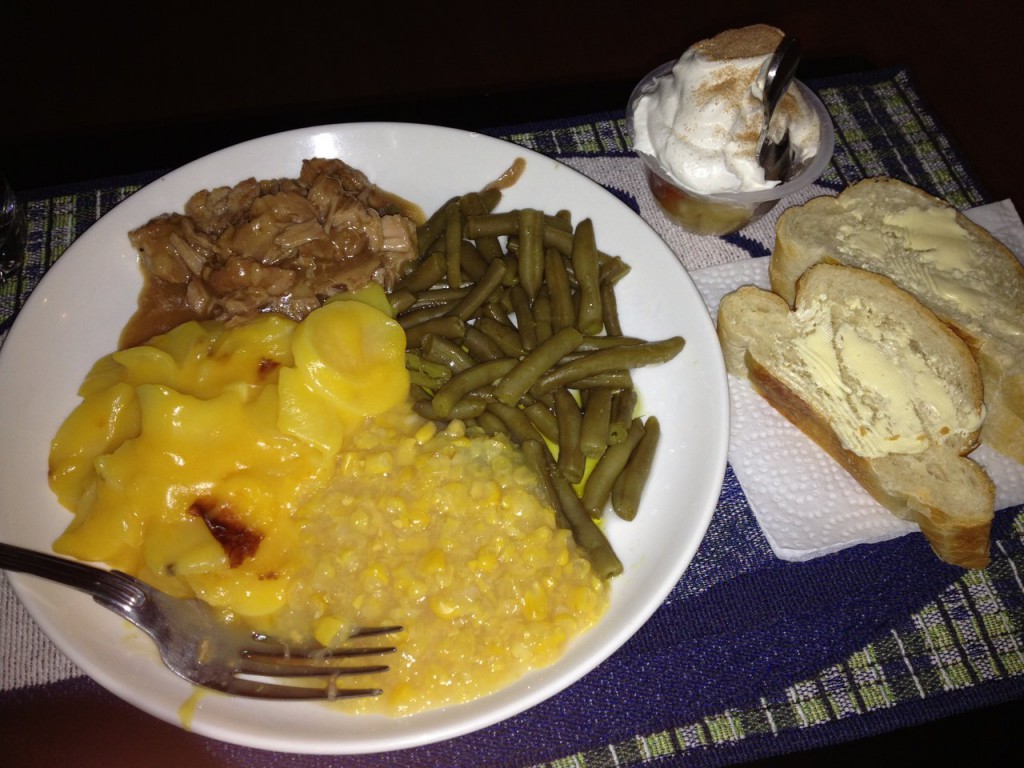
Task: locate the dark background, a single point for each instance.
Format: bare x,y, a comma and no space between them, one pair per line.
90,90
94,90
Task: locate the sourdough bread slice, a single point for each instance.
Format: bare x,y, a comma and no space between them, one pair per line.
883,386
953,266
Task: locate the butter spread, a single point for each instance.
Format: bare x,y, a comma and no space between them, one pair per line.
929,253
881,398
935,235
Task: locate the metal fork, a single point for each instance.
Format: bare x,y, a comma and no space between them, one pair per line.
197,645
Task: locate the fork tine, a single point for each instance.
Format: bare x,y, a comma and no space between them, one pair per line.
241,686
266,647
274,659
374,631
271,659
279,667
314,654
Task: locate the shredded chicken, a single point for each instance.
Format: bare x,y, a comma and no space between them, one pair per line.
281,245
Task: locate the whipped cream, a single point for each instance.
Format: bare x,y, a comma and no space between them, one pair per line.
702,121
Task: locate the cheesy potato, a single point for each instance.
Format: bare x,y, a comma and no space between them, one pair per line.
276,470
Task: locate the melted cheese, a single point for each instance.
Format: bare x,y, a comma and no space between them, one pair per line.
186,452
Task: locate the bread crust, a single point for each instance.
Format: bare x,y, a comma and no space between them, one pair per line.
808,234
948,495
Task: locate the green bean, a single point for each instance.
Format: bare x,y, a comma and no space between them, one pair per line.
453,243
472,204
512,270
415,317
524,317
484,392
475,204
491,424
571,461
481,290
599,484
610,310
538,456
519,427
531,251
596,417
491,196
613,269
480,346
418,393
429,231
401,300
435,296
629,485
427,274
533,323
542,316
518,381
543,419
561,220
448,326
473,265
614,380
506,303
560,239
612,359
506,337
492,224
467,408
495,311
623,408
591,343
443,351
563,313
587,535
461,384
548,400
587,270
436,372
424,380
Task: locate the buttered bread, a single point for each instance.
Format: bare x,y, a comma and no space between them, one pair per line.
951,265
882,385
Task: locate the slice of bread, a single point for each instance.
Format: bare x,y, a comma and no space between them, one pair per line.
883,386
953,266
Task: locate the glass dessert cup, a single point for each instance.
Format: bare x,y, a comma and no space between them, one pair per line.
726,212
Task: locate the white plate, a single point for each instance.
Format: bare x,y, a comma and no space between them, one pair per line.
74,317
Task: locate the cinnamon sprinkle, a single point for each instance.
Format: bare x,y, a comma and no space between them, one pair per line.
742,43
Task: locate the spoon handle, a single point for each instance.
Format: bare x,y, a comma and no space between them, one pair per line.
781,70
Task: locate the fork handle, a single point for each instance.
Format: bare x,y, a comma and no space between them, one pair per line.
111,589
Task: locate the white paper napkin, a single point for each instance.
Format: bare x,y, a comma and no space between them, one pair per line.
804,502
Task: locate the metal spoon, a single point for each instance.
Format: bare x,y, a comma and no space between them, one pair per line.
775,157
